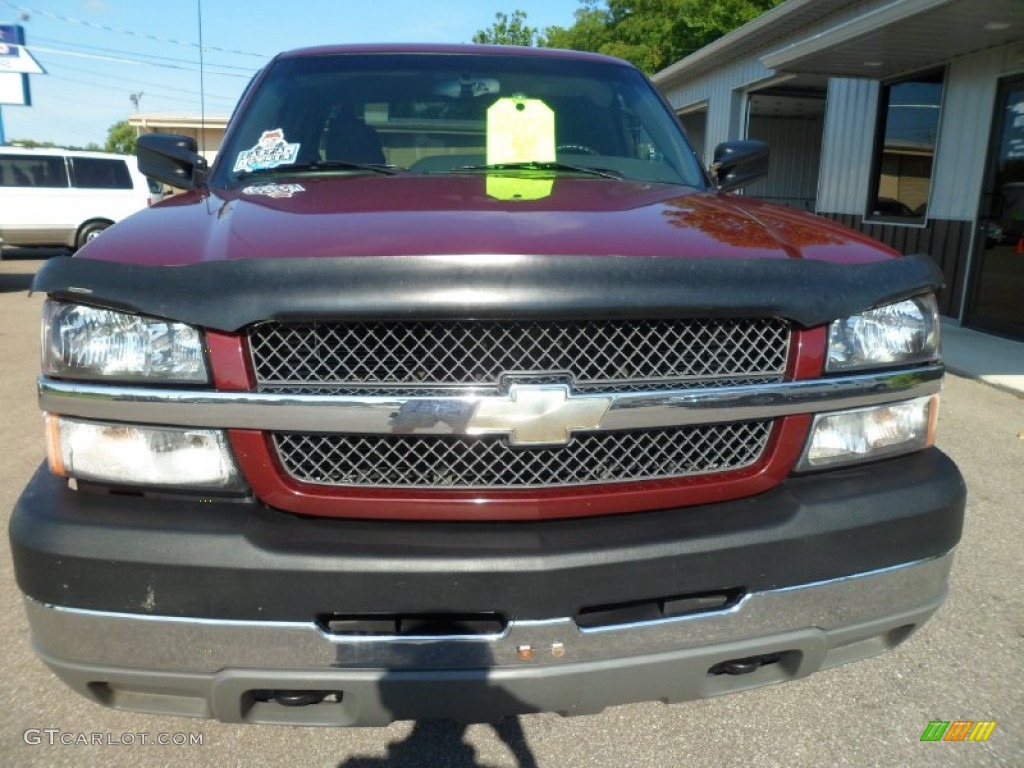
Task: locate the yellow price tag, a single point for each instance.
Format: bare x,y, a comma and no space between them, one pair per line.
514,189
520,130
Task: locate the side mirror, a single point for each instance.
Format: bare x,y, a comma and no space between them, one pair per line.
172,159
739,162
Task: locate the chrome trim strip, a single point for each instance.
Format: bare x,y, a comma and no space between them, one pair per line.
208,645
455,414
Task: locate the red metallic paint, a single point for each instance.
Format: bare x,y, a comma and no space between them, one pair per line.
271,484
807,353
230,361
430,215
273,487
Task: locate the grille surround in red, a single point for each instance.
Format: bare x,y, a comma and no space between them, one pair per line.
232,371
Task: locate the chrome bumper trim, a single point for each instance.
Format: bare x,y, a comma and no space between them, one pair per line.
457,414
164,643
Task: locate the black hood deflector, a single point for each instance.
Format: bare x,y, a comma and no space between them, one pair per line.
229,295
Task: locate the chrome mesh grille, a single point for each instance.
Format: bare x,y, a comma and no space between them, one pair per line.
607,355
417,461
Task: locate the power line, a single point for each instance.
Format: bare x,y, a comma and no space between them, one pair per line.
76,46
106,101
121,60
149,84
65,78
41,114
121,31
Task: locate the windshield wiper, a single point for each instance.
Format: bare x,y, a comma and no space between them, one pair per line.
535,165
327,165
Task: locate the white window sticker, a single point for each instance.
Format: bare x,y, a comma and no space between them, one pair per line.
274,190
270,151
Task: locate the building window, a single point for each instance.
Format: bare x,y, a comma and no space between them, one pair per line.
905,148
695,124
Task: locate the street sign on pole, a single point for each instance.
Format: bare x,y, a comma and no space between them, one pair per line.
16,64
15,59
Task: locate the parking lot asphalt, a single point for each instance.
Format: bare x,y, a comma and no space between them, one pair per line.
966,664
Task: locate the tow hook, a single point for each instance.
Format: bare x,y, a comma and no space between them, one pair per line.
744,666
297,698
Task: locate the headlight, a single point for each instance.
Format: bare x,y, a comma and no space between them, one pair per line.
904,332
126,454
865,434
84,342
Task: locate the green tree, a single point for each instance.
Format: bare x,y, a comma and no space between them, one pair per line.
652,33
121,138
507,30
92,146
589,32
30,143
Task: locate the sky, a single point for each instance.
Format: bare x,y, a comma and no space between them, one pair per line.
97,53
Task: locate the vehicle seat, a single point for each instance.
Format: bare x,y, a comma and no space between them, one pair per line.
351,141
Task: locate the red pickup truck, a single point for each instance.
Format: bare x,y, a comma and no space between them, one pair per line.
456,387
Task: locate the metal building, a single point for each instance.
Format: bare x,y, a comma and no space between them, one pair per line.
900,118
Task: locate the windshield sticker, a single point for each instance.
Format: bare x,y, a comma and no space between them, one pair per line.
274,190
270,151
520,130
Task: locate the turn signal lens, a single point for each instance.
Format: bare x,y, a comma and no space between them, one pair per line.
125,454
865,434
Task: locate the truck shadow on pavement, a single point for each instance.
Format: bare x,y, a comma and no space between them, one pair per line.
14,279
15,283
442,743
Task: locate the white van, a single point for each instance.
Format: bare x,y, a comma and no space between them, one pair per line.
59,197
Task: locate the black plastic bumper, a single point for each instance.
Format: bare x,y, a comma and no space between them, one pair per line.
230,560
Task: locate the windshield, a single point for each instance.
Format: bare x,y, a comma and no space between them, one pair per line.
428,113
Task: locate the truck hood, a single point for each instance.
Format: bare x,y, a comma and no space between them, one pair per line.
470,215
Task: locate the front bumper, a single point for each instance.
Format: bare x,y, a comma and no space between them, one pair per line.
244,561
187,607
224,669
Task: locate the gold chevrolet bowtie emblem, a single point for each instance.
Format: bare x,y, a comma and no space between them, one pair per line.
537,415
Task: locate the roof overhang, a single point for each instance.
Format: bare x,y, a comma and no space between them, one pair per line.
178,122
903,36
889,39
782,20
